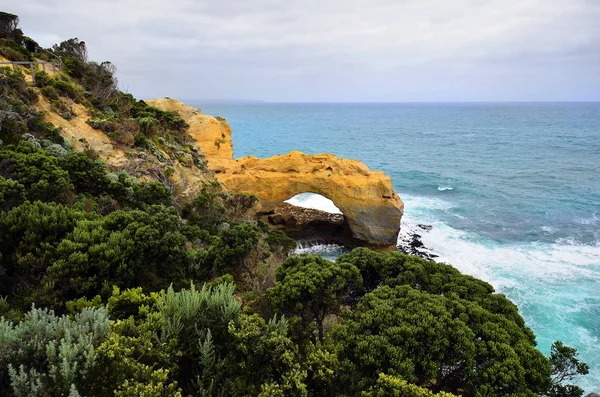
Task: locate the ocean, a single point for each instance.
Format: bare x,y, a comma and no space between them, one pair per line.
512,191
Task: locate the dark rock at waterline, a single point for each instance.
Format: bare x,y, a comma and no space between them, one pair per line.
593,395
427,228
409,242
310,226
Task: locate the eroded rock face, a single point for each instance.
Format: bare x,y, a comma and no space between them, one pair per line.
309,226
371,207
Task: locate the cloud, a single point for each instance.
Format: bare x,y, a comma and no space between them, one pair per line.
341,50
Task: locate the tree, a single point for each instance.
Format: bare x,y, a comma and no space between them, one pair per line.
442,342
71,48
12,193
100,82
8,24
265,360
232,246
38,172
312,288
565,367
207,210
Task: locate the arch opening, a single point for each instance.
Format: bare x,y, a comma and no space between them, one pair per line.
314,201
314,221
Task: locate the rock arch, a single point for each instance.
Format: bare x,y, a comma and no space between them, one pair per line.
372,209
366,198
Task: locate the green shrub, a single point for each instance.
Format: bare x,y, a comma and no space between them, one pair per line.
12,55
14,51
12,193
36,123
312,288
50,92
445,341
15,90
140,140
74,67
105,125
67,89
58,87
126,249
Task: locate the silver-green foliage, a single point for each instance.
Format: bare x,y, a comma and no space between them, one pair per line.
192,312
50,355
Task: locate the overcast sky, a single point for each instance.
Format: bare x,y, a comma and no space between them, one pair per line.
335,50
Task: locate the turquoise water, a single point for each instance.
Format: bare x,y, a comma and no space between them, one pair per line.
512,190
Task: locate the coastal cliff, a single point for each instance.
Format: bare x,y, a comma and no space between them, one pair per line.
371,208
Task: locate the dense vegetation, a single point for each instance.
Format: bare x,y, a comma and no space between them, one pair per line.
109,289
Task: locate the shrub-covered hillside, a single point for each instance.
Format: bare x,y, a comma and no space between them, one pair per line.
110,287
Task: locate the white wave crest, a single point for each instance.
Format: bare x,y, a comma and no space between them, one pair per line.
444,188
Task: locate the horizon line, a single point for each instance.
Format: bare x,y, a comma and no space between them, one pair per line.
258,101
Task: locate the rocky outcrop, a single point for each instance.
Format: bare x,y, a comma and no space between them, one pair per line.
371,208
185,182
310,226
366,198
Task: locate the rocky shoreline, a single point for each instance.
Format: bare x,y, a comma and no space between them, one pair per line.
310,226
409,241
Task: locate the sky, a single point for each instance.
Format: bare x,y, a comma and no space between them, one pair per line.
334,50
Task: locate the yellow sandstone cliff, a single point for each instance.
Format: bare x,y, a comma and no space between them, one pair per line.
371,207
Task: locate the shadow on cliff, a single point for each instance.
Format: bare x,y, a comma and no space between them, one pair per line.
311,226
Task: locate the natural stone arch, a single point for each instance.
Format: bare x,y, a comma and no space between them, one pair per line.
366,198
372,209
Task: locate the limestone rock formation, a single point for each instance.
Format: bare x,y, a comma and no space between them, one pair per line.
371,207
310,226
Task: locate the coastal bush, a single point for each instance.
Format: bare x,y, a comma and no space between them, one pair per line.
29,234
444,343
12,54
390,386
311,288
394,268
232,246
12,193
124,248
57,86
239,205
39,173
207,210
49,355
14,50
